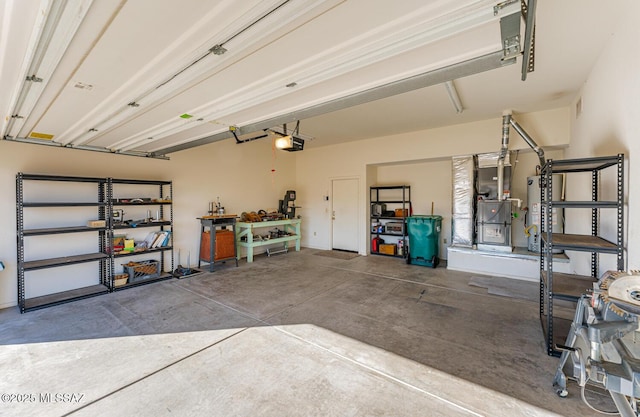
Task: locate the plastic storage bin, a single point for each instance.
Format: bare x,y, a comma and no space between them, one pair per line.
139,271
424,238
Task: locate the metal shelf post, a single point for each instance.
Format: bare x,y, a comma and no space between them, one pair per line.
569,287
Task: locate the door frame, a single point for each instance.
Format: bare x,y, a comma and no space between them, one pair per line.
358,208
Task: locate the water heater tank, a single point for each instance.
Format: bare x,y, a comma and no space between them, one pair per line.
534,212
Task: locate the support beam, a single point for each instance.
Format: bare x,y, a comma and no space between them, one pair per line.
528,56
84,147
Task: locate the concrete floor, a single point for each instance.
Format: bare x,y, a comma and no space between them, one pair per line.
294,334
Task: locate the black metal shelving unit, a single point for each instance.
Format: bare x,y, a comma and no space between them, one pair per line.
98,254
102,254
164,204
569,287
392,197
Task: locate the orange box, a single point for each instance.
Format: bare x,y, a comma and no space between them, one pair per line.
388,249
224,248
402,212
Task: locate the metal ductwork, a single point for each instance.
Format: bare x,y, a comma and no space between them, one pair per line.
506,117
507,120
529,141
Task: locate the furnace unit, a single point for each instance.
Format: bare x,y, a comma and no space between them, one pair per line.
494,225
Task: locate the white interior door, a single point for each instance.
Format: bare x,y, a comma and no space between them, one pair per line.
345,214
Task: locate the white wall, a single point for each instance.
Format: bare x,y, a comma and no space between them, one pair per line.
317,166
607,126
241,175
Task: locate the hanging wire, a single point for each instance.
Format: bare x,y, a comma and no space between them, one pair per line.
273,161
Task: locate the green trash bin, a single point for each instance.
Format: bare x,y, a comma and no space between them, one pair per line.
424,238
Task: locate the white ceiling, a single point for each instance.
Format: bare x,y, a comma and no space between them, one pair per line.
155,55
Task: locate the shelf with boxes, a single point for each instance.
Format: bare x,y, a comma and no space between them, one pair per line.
146,237
390,207
66,229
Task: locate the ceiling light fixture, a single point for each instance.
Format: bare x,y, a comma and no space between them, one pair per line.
290,142
453,96
283,142
49,42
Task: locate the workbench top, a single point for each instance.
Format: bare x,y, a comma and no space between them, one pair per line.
219,216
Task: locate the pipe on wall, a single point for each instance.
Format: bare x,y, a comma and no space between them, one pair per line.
507,121
506,118
529,141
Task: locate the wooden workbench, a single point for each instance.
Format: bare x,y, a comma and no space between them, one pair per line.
247,229
213,221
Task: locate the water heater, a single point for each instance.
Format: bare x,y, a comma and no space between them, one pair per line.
534,213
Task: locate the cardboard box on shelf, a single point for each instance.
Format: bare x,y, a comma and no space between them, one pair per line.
389,249
402,212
